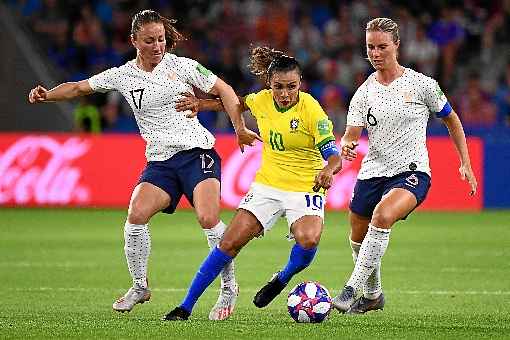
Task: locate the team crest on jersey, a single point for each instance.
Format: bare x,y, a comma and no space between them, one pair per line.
172,75
412,181
408,97
294,124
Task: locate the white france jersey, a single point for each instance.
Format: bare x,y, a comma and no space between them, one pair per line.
396,117
152,97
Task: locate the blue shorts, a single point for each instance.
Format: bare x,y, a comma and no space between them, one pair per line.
181,173
369,192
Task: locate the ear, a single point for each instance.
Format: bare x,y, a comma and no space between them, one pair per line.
133,41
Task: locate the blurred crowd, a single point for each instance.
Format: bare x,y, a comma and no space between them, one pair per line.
462,44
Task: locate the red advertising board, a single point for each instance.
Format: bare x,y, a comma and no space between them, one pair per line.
101,171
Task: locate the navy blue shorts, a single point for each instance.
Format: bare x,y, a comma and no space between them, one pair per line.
368,192
181,173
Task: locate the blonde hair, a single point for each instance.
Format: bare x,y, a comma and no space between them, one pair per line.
384,25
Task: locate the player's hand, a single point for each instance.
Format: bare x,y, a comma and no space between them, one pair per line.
466,174
246,137
324,179
188,102
348,151
37,95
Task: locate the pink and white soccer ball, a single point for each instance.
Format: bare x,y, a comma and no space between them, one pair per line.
309,301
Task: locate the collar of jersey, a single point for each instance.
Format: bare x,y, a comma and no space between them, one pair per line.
282,110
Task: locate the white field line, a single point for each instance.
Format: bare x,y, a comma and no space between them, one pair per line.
252,290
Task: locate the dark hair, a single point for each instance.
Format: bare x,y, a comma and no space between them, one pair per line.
172,36
265,61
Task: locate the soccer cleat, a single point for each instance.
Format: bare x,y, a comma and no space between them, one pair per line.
344,300
225,304
363,305
131,298
267,293
177,314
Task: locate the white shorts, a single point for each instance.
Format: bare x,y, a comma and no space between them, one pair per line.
268,204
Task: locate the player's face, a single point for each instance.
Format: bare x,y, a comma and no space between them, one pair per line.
285,86
150,42
381,50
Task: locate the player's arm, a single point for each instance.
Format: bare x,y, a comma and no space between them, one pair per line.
456,132
329,152
61,92
234,109
349,142
194,104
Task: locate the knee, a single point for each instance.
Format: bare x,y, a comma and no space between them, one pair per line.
382,219
138,214
308,241
229,246
208,220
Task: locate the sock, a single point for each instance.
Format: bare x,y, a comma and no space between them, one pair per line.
205,275
372,249
214,235
299,259
137,247
373,287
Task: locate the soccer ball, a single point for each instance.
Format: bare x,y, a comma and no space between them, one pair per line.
309,301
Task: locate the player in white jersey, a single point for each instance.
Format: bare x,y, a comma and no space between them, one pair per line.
393,105
179,151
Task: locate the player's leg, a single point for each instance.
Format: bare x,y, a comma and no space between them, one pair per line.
243,228
307,232
206,199
305,216
396,204
146,200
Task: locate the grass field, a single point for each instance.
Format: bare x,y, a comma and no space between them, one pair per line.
445,276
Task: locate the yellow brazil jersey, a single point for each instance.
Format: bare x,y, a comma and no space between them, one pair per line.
290,157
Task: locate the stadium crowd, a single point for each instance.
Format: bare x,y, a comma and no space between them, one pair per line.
464,45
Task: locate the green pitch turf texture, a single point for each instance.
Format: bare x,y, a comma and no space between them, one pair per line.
445,276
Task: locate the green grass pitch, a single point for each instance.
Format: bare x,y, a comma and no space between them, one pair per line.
445,276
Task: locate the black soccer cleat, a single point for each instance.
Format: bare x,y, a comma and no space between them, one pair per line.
267,293
363,305
177,314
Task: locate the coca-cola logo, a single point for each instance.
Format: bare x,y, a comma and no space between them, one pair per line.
239,171
39,169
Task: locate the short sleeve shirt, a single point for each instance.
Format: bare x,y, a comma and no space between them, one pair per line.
396,117
152,97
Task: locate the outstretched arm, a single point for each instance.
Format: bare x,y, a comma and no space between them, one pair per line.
63,91
456,132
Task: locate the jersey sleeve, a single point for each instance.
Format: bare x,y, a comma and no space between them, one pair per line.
253,103
321,127
435,99
357,107
197,75
105,81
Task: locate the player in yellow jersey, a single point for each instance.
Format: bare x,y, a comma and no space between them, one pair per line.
291,181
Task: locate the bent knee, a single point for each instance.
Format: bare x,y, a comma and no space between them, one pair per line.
208,220
383,219
309,242
137,214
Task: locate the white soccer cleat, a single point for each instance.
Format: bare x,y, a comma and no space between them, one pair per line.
225,304
131,298
344,300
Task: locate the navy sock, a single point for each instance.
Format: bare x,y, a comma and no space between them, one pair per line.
208,271
299,259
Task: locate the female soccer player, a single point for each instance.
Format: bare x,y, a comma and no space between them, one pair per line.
394,105
179,151
296,132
